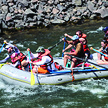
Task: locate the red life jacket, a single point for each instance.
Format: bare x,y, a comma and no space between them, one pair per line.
84,35
20,57
47,53
85,46
19,67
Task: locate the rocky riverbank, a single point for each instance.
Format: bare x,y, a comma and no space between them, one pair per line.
32,13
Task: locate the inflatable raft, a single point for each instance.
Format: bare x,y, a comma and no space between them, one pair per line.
11,75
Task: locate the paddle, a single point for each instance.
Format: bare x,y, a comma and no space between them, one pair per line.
98,51
50,48
64,47
32,76
84,60
2,65
2,46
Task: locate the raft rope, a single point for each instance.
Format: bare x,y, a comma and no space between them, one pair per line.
94,67
72,75
37,75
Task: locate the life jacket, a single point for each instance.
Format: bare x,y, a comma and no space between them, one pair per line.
84,35
47,53
19,67
20,57
105,51
59,67
85,47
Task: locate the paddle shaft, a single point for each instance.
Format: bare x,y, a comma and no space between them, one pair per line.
98,52
64,47
54,45
2,47
32,76
29,60
87,61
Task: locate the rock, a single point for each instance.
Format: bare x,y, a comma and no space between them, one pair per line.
67,18
55,11
4,9
81,9
47,9
25,3
103,12
9,1
10,4
34,1
32,24
77,2
40,9
60,7
75,18
106,4
57,21
50,2
91,6
8,17
29,11
4,25
93,16
11,10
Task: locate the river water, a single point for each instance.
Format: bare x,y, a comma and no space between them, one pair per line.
84,94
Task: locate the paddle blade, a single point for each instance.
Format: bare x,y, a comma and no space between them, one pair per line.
32,78
1,65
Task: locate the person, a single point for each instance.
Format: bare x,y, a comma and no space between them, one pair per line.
44,63
104,50
82,38
13,49
15,62
77,50
106,31
10,49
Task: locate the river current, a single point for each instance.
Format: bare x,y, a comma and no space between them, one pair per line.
84,94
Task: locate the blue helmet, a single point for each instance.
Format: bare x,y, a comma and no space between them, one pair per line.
105,29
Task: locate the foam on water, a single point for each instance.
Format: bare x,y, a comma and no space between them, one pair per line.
96,31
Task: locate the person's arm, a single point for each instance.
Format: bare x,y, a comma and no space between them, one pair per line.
5,59
45,59
68,35
68,47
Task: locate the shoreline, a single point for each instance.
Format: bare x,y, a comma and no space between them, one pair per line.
16,14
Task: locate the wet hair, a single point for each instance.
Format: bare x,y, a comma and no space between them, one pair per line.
80,32
104,41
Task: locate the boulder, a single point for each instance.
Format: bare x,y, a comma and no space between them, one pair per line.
55,11
57,21
4,9
29,11
8,17
77,2
91,6
103,12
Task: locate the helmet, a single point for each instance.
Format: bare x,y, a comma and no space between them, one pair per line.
14,55
105,29
75,37
40,49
